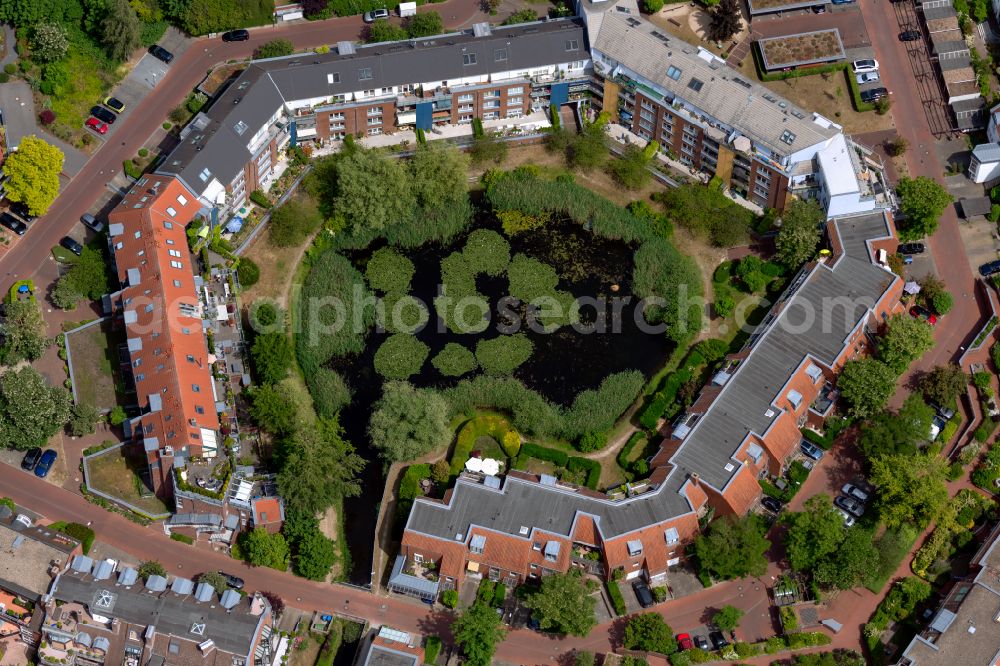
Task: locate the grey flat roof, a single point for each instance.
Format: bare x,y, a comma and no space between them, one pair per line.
944,11
838,294
380,655
987,152
266,85
731,99
949,46
171,615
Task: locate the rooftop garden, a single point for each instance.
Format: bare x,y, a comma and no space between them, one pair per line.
801,49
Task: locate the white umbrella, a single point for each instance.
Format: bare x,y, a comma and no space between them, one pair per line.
911,288
491,467
474,464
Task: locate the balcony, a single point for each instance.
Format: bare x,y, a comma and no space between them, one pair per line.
587,558
826,399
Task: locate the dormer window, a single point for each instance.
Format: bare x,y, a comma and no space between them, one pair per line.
634,548
794,399
477,545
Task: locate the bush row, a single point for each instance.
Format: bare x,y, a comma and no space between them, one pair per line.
664,403
615,594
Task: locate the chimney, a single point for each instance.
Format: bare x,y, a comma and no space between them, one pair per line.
694,478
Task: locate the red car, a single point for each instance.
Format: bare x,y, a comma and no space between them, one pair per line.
97,125
920,312
684,642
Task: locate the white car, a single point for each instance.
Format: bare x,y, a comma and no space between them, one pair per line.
866,65
866,77
853,491
848,518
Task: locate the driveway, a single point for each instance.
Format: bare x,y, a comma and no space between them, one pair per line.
19,119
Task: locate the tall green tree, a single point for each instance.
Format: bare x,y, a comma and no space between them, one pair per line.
922,200
477,630
89,275
120,30
373,191
282,408
314,556
814,533
866,384
263,549
272,356
943,384
31,411
900,433
855,562
911,489
408,422
727,19
800,232
564,604
318,468
23,332
648,631
33,174
424,24
439,174
49,42
383,31
733,548
906,339
727,618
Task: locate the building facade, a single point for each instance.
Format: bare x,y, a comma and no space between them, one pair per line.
745,425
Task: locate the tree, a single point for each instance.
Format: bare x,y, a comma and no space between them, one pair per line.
281,408
277,603
31,411
314,555
441,471
23,332
943,384
648,631
408,422
272,356
372,191
856,561
439,174
263,549
564,604
400,356
905,339
584,659
901,433
488,148
454,360
248,272
383,31
120,30
293,222
424,24
151,568
526,15
49,42
728,617
33,174
896,146
117,416
911,489
274,49
587,150
652,6
88,276
215,579
708,213
630,170
814,533
82,419
922,200
733,548
800,230
477,630
866,384
726,21
64,295
319,467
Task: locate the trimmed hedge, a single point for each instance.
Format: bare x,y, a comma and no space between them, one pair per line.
554,456
592,467
617,601
183,538
81,533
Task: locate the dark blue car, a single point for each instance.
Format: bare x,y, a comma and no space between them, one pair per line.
45,463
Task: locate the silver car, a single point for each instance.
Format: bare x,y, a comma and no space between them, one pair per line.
866,77
375,14
854,492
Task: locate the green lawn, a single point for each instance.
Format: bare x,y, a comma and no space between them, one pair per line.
112,474
93,354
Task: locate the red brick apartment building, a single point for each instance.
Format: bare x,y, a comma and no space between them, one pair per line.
166,345
743,426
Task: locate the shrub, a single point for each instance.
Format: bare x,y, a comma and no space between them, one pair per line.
183,538
789,621
389,271
617,601
499,594
432,646
143,152
454,360
450,599
555,456
942,302
592,441
47,117
400,356
261,199
81,533
504,354
592,467
293,222
274,49
247,272
10,68
329,391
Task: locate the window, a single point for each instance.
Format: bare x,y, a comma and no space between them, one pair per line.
755,452
173,253
190,358
671,535
515,101
634,548
492,115
537,546
674,73
695,84
552,551
170,225
205,175
365,74
176,264
515,91
195,388
199,409
418,558
177,283
139,377
182,200
138,234
814,372
333,78
572,45
468,58
477,544
500,55
466,97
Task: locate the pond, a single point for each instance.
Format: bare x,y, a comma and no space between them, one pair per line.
562,364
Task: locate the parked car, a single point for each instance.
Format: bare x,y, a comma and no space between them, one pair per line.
990,268
819,9
873,95
719,641
702,643
866,77
866,65
232,581
811,450
853,491
92,223
161,53
12,223
20,209
375,14
114,104
103,114
684,642
850,505
31,459
920,312
236,36
771,504
97,125
841,2
909,35
848,518
945,413
643,593
45,463
71,245
911,248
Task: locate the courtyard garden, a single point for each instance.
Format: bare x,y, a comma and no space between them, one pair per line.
93,358
111,472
